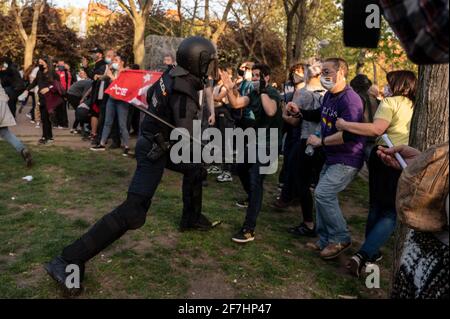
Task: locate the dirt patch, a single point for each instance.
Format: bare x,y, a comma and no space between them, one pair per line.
211,285
31,277
86,213
167,240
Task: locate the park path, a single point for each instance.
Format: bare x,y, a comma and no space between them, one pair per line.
29,134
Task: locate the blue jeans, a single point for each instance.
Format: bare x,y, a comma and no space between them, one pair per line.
113,106
252,182
380,226
6,134
331,225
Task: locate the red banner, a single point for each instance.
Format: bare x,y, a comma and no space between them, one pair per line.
131,86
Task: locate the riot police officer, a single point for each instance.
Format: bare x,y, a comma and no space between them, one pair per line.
175,99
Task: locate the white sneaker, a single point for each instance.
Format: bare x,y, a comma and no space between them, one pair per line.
224,177
38,125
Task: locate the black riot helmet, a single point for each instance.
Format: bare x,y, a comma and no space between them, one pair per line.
198,56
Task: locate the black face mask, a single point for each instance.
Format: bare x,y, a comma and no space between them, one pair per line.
41,67
240,72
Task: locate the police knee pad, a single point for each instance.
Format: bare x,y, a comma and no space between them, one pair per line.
134,210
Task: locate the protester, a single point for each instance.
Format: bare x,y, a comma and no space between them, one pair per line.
394,118
114,107
291,135
28,77
304,168
66,79
78,92
49,96
7,120
224,121
344,156
12,82
264,103
361,84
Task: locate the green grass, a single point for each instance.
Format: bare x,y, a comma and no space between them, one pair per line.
73,188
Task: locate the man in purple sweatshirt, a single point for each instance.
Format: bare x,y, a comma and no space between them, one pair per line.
344,156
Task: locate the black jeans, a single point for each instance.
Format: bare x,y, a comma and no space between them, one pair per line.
252,181
224,120
61,115
74,101
45,119
290,170
12,102
309,168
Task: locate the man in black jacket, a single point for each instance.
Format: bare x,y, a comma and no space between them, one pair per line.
12,82
175,98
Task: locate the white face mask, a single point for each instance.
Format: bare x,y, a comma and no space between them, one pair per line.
108,60
5,65
115,66
327,83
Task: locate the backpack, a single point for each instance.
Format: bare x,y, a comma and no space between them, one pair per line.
422,191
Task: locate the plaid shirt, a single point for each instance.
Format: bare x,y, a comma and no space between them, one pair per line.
422,27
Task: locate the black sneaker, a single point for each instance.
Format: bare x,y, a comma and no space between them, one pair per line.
42,140
242,203
244,236
356,264
57,270
126,151
302,230
203,224
98,147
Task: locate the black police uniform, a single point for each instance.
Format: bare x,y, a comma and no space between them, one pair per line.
131,214
175,99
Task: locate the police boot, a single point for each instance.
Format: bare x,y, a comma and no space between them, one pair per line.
68,276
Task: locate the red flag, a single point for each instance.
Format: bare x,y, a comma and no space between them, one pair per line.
131,86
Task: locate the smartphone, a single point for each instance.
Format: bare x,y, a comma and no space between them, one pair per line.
399,158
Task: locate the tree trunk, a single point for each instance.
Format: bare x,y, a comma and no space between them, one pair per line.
28,54
289,51
138,44
301,27
207,21
361,61
375,77
429,126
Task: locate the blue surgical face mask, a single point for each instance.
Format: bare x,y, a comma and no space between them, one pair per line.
115,66
108,60
327,83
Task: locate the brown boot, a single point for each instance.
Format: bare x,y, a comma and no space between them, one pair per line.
334,250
